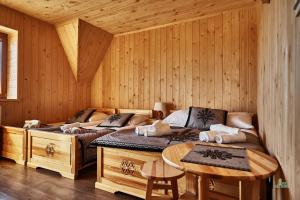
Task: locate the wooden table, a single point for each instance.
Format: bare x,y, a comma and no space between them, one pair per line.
262,166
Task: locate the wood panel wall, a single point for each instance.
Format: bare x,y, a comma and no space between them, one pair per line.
93,43
47,88
208,62
277,91
85,46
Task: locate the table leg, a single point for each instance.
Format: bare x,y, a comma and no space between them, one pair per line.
174,189
202,187
249,190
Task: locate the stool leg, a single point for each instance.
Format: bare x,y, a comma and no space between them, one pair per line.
149,189
174,189
166,190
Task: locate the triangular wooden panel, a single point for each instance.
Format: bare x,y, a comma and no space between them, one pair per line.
85,46
93,43
68,34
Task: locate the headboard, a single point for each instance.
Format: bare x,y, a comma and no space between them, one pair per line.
108,111
135,111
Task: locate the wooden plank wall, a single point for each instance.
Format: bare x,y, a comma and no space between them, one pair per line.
47,88
208,62
93,43
297,110
277,91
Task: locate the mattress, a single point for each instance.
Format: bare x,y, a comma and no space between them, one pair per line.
127,139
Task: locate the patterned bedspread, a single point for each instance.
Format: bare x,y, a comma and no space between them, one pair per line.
127,139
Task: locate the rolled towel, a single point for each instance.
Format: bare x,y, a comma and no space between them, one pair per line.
142,130
226,139
207,136
67,131
158,130
223,128
75,130
161,132
69,126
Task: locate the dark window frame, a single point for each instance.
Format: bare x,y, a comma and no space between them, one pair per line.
3,65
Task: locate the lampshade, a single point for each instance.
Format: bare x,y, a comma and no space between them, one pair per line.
160,106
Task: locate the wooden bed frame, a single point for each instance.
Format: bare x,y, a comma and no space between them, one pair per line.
14,144
56,152
118,170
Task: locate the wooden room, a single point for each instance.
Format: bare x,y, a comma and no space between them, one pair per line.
149,99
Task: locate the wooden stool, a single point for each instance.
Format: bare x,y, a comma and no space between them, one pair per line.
160,171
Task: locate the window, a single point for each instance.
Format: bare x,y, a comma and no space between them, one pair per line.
8,64
3,64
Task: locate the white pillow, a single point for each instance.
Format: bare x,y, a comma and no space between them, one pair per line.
240,120
136,120
97,116
177,118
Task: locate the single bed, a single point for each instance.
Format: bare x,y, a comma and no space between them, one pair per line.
66,154
121,154
13,144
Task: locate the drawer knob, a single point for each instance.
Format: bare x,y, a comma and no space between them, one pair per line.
211,184
50,149
128,167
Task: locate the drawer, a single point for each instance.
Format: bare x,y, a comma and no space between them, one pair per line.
123,166
55,151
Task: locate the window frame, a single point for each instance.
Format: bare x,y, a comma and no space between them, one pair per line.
3,69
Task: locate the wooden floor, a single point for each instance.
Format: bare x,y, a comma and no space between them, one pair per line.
19,182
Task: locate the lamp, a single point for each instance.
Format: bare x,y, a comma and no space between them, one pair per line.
160,109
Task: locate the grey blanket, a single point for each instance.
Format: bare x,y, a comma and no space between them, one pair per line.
127,139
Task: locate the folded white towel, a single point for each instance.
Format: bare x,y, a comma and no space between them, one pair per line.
69,126
67,131
227,138
156,125
75,130
158,128
223,128
32,123
141,130
162,130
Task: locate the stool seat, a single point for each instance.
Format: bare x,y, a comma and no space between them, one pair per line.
160,171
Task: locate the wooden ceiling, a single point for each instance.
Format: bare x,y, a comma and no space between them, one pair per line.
119,16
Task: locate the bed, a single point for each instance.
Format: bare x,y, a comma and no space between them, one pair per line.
64,153
13,144
121,154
